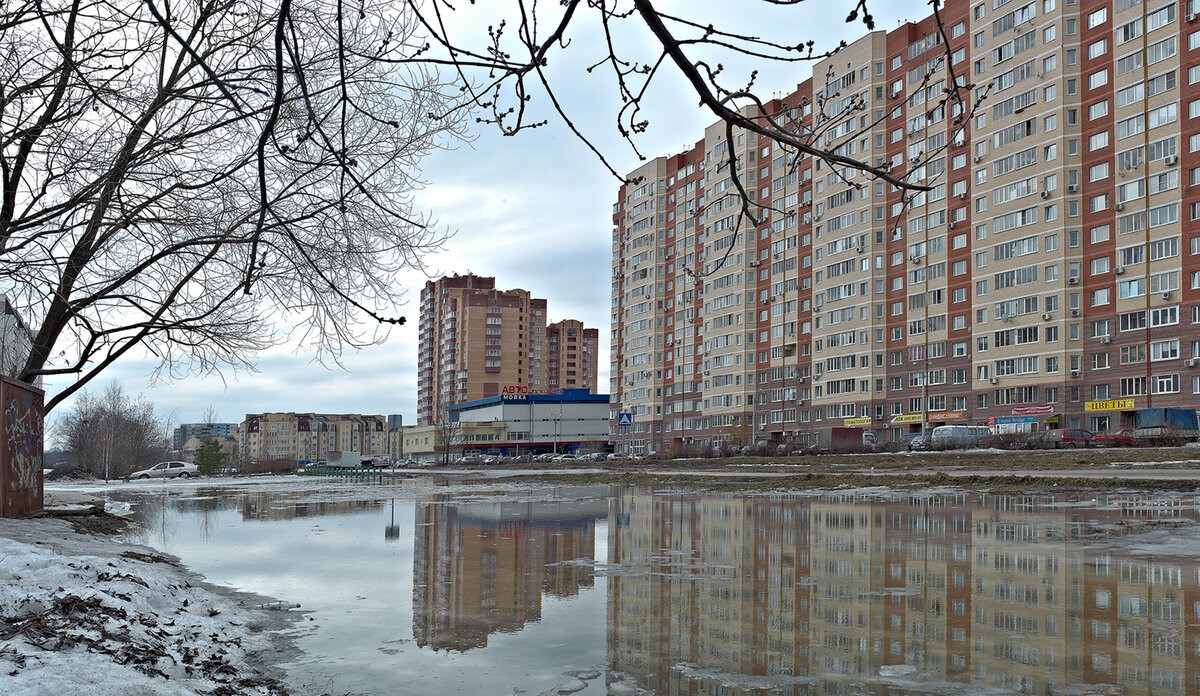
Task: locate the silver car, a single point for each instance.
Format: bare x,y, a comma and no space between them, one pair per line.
167,470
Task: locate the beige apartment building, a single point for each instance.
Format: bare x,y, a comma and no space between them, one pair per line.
477,341
300,437
1044,273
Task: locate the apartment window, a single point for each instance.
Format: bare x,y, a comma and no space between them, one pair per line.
1095,19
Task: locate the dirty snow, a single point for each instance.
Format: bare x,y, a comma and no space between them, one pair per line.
83,614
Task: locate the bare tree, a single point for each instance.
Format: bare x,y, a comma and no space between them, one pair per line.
643,44
112,434
188,178
448,434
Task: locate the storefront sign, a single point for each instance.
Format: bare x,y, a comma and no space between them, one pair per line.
907,418
1110,405
520,391
1009,420
946,416
1038,410
856,421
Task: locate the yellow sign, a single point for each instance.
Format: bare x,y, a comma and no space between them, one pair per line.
1109,405
908,418
856,421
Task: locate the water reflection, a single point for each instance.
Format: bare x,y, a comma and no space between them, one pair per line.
853,594
482,567
709,593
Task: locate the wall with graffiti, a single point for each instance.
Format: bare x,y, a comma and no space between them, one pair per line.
22,421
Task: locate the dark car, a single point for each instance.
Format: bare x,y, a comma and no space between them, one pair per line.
920,442
1116,438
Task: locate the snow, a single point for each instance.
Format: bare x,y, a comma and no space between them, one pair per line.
81,613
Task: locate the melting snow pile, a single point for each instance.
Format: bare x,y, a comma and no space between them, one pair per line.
84,614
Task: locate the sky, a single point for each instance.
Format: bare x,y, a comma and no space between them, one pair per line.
534,211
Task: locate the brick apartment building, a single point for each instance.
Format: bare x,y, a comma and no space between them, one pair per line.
1048,277
477,341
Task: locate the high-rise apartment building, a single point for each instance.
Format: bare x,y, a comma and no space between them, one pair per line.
571,355
477,341
1043,273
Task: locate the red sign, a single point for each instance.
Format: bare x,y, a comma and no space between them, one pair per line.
1038,410
519,390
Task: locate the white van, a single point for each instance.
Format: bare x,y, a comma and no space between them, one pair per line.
958,436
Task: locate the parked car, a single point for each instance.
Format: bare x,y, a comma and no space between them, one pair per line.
920,442
1062,438
1008,441
168,470
959,436
1116,438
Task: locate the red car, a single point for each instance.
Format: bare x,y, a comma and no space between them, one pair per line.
1116,438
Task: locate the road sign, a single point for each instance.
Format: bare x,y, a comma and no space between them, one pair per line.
625,419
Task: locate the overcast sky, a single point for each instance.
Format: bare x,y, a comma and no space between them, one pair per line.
533,211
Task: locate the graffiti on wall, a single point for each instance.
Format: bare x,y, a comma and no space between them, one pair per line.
23,425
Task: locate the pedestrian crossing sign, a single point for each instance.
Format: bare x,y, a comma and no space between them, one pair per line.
625,419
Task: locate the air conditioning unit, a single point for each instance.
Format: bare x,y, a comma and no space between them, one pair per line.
1045,194
1074,312
1046,316
1119,207
1191,17
754,264
950,225
1074,373
1105,340
1166,295
773,298
994,380
916,260
1072,188
1192,362
962,196
1119,270
1171,160
977,159
1073,280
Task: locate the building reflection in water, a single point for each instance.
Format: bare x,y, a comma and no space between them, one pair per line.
823,595
482,567
275,506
